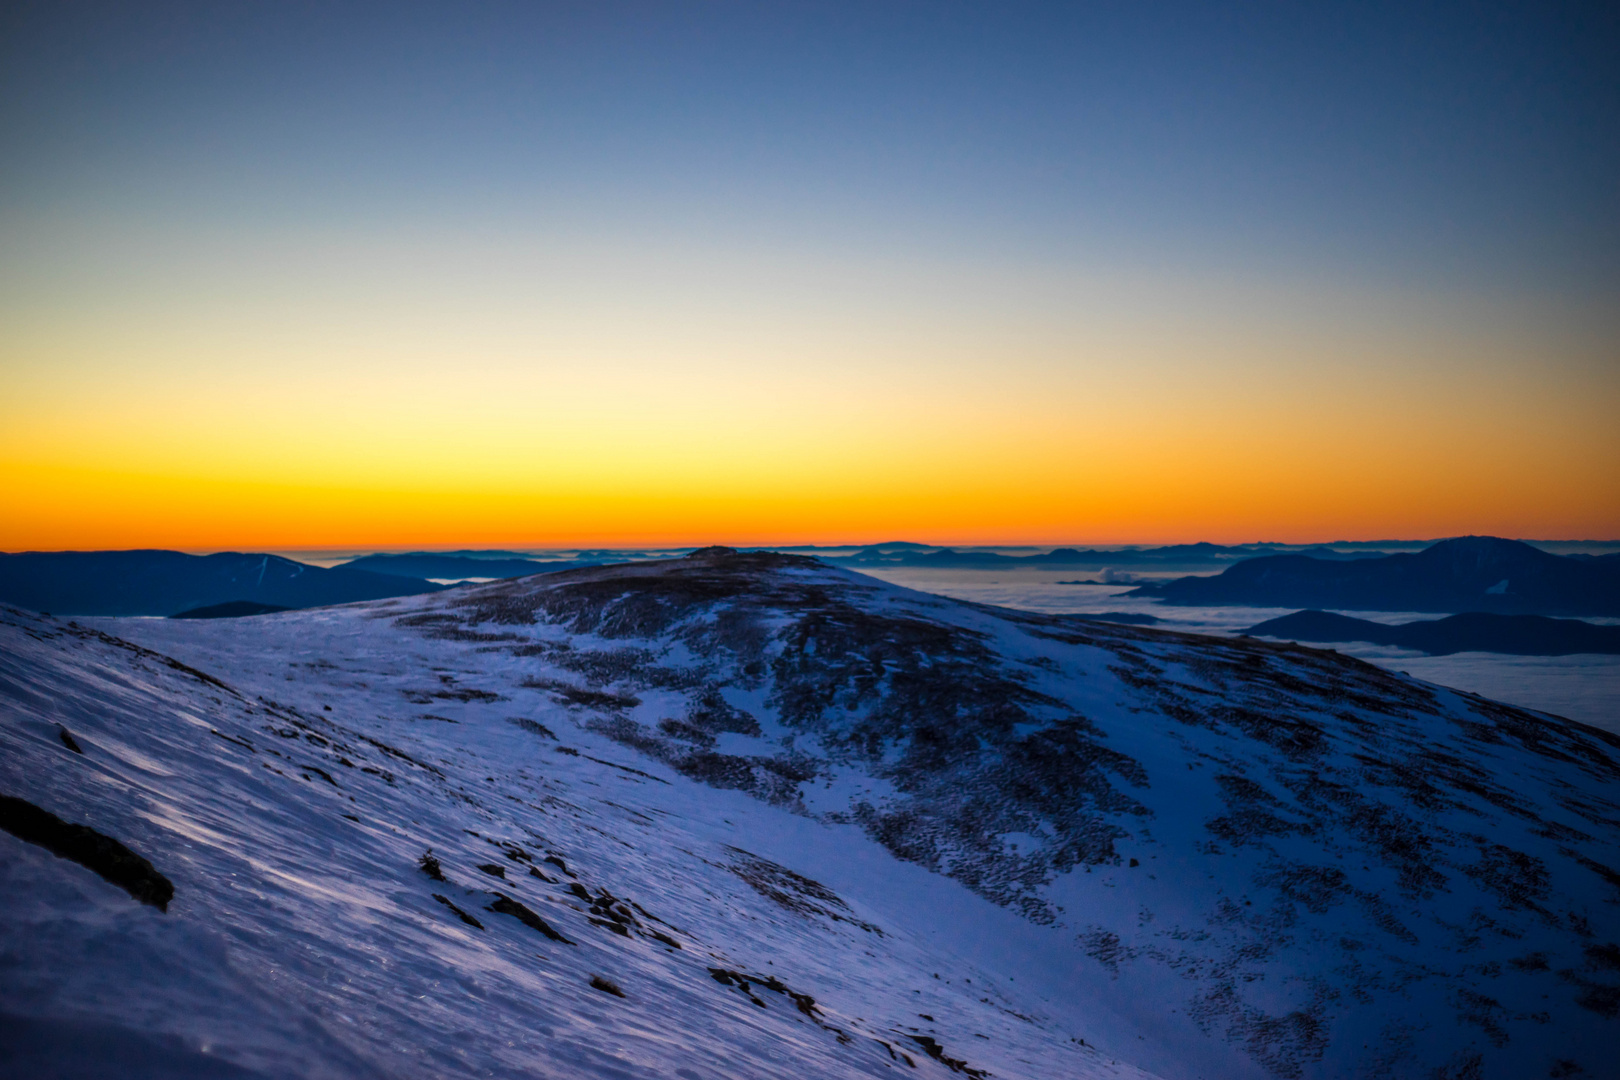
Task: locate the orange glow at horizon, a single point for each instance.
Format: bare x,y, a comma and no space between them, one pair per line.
837,402
1146,492
1012,467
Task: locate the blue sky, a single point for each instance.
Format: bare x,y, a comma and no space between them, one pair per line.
1475,143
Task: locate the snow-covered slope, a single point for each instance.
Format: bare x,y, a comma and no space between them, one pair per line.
929,837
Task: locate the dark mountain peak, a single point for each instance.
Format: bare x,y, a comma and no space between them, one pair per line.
662,590
1485,551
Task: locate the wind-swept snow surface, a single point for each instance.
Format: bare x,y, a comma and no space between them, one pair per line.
748,816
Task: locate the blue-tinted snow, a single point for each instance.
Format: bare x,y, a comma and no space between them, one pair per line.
1584,687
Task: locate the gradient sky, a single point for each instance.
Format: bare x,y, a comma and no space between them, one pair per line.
547,274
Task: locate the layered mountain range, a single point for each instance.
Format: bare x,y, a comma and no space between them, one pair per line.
1171,556
1471,573
751,815
172,582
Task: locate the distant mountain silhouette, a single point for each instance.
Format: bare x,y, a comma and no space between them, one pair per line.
1471,573
231,609
919,555
167,582
455,565
900,545
1476,631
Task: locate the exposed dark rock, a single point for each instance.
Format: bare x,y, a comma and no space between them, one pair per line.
534,727
463,694
606,985
937,1052
460,914
1604,957
95,851
565,694
505,905
745,983
792,891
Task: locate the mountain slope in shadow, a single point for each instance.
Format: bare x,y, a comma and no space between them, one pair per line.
428,564
170,582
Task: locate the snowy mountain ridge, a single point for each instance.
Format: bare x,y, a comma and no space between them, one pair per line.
778,800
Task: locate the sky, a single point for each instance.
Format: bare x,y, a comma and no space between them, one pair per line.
532,274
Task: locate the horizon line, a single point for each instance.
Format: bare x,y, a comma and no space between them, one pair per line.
521,549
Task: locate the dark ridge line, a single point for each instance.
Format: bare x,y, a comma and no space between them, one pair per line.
149,654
